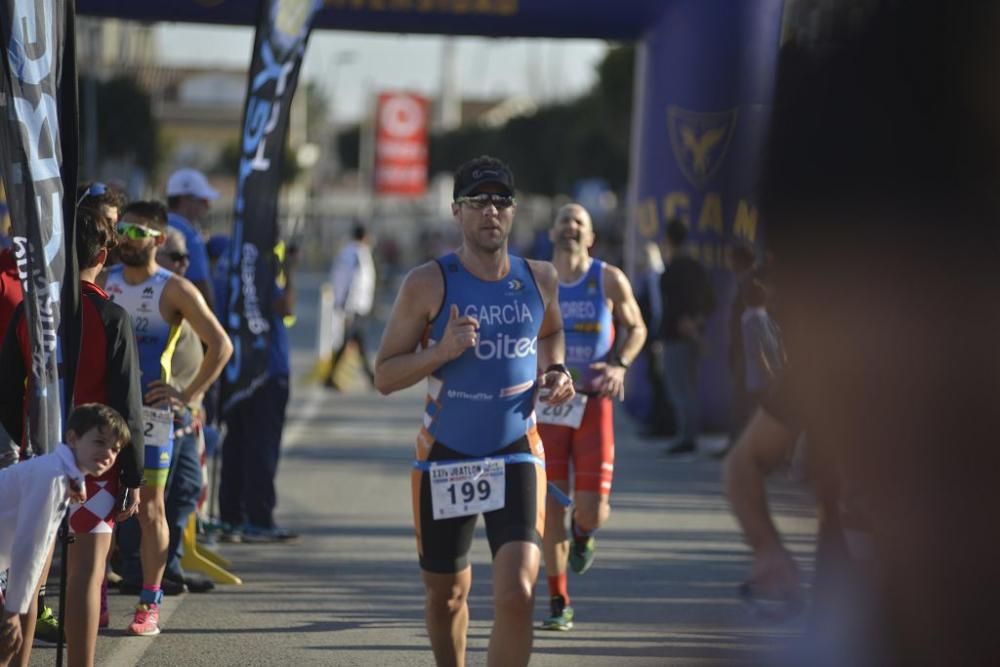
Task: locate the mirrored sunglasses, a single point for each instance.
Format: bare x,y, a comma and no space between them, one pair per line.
484,199
136,232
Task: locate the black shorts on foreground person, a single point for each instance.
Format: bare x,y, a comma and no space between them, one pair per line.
446,542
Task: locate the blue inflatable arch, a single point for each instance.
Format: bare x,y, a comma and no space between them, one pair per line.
704,85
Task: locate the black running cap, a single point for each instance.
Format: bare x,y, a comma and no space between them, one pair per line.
479,172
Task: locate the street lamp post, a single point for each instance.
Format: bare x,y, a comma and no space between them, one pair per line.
339,58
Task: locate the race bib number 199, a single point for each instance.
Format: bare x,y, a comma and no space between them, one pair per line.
467,487
157,426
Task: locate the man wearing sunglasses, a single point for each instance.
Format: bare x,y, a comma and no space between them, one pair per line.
159,301
173,254
479,324
184,364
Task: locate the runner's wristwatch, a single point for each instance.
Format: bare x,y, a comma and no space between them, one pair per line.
560,368
619,360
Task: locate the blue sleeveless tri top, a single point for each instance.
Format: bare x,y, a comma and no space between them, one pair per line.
483,401
590,331
155,337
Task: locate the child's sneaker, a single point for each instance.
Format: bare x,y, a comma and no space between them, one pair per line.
146,621
46,628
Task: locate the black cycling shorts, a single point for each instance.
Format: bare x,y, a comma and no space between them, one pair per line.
443,544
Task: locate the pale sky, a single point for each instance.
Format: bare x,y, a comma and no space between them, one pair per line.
546,69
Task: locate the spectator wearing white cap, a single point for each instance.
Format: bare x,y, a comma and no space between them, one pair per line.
189,197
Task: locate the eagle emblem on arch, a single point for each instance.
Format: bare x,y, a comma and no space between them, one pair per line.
699,141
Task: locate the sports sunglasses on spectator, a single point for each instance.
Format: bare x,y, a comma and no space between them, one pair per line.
484,199
178,257
93,190
136,232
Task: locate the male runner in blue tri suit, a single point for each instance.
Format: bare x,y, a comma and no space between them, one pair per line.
478,324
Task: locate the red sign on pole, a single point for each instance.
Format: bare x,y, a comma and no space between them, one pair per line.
401,145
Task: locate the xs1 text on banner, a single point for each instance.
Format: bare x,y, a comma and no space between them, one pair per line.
401,145
282,33
31,53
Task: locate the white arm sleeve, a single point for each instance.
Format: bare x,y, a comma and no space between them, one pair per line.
42,507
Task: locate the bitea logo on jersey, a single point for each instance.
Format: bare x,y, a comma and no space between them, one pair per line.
503,346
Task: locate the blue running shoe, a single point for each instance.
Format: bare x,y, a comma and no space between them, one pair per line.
581,552
561,619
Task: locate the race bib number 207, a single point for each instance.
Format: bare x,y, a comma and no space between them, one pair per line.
569,413
467,487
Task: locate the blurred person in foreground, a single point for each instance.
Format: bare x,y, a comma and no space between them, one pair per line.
880,196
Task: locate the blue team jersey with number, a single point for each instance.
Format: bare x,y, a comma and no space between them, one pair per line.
590,331
484,400
155,337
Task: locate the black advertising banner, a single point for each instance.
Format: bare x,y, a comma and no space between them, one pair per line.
282,32
32,103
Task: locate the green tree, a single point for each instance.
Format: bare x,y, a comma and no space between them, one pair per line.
347,143
559,144
126,127
229,162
